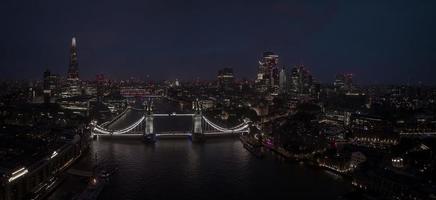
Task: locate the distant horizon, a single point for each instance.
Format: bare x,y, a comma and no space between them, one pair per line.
381,43
251,78
211,80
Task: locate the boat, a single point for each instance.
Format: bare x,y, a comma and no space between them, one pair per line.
106,173
93,189
102,172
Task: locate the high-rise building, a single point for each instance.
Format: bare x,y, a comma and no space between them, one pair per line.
50,82
267,79
73,69
302,82
225,79
283,81
73,81
343,82
100,83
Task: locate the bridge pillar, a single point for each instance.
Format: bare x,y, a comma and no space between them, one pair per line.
197,124
149,134
149,128
197,133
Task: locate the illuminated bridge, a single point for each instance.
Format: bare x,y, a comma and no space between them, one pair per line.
139,122
423,134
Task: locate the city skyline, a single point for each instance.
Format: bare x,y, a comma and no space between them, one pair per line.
122,40
212,99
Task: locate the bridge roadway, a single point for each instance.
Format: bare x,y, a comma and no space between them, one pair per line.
174,134
125,119
418,134
173,115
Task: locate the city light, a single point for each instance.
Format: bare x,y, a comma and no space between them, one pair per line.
243,127
18,174
315,97
54,154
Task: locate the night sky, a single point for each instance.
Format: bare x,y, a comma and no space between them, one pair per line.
389,42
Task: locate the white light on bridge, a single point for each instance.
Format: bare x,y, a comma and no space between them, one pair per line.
54,154
101,130
18,174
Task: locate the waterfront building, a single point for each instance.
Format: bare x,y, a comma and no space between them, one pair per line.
372,132
339,163
40,174
34,156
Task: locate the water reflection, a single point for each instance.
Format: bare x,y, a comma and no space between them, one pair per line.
219,168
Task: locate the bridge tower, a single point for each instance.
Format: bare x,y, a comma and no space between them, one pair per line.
197,132
149,135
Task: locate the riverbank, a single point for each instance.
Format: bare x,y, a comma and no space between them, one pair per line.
259,149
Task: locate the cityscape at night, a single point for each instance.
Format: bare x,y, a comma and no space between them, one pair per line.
217,100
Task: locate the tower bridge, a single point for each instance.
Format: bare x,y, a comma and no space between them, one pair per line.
140,122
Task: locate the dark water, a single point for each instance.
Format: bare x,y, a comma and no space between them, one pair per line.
217,169
220,168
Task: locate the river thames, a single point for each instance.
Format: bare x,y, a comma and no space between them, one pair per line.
216,169
219,168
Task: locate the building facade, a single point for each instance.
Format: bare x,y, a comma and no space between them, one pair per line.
73,84
267,80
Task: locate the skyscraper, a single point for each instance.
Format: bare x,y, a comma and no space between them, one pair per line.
73,81
49,85
283,81
302,82
100,82
73,69
343,82
267,74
